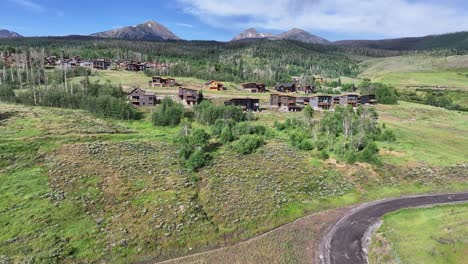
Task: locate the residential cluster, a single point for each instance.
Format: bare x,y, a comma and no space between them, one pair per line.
285,97
103,64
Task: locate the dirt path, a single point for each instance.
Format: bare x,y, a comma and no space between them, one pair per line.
302,238
346,240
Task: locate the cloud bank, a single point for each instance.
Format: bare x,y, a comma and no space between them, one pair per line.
382,18
29,5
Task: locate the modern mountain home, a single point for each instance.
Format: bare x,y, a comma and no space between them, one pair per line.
247,104
139,97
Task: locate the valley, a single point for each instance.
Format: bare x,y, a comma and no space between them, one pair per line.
94,171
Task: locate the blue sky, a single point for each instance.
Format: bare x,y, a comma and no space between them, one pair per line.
221,20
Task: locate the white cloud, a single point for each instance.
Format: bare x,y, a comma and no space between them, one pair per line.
396,18
184,25
30,5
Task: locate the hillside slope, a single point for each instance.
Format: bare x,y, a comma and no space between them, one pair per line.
458,40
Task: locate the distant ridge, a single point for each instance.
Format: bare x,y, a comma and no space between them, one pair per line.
293,34
9,34
302,36
150,30
458,40
252,33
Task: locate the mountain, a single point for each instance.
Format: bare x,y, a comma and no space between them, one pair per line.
458,40
293,34
252,33
150,30
9,34
302,36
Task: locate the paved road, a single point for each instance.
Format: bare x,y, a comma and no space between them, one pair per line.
345,242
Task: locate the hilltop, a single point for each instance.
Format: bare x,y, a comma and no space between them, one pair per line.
150,30
8,34
295,34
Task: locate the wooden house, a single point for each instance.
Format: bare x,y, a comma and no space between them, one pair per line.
284,102
189,96
254,87
214,85
285,87
101,64
368,99
158,81
349,99
321,102
247,104
135,67
307,89
139,97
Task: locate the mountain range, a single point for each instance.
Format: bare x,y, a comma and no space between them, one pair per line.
153,31
8,34
150,30
293,34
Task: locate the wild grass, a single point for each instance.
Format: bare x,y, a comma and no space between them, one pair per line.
425,134
423,235
76,188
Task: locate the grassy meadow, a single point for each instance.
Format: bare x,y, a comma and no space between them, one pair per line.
77,188
425,134
434,235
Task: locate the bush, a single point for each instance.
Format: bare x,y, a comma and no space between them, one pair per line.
350,157
220,124
324,155
208,113
386,94
247,144
369,154
226,135
193,147
169,113
388,135
300,140
197,160
245,128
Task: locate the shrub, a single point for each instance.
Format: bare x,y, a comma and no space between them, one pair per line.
248,144
169,113
220,124
192,148
226,135
388,135
208,113
386,94
324,155
300,140
350,157
245,128
369,154
197,159
199,138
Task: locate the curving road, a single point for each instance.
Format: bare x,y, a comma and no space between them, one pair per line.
346,241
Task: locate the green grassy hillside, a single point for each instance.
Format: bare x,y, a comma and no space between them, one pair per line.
77,188
426,235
